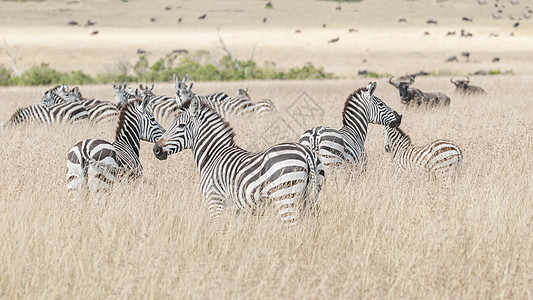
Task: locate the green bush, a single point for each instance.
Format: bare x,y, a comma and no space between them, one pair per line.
197,65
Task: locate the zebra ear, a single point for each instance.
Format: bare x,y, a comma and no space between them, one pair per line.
194,107
115,86
145,102
371,87
175,77
185,78
151,88
190,86
124,86
141,86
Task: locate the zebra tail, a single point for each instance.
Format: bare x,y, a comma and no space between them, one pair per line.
316,178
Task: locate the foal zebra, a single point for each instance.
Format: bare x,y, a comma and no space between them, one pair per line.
285,174
96,164
62,113
335,147
437,156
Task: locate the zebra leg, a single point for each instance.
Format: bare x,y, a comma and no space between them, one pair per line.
100,177
216,207
76,175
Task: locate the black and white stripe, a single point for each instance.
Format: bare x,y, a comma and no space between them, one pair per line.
163,107
335,147
94,165
183,93
285,174
437,156
62,113
261,107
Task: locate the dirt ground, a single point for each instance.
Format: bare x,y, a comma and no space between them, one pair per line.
378,42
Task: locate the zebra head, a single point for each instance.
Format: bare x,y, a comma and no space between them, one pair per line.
180,85
179,135
378,111
149,129
243,93
145,91
403,87
121,95
395,137
58,95
184,94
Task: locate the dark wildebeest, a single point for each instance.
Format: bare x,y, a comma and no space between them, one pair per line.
414,96
463,87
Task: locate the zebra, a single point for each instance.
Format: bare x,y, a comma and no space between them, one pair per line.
50,97
261,107
347,144
98,110
415,96
95,164
61,113
229,107
183,92
285,174
122,96
437,156
163,107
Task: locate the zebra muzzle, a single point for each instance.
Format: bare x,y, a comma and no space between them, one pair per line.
159,152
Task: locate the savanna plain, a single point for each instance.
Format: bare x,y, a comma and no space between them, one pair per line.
383,233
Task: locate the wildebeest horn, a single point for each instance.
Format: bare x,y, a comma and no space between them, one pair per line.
467,79
451,80
411,79
391,82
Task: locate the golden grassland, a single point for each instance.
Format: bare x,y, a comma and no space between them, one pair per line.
380,234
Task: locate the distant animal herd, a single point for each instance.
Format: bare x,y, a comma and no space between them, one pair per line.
288,175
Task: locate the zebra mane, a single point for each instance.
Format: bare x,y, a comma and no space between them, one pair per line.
122,117
402,134
348,103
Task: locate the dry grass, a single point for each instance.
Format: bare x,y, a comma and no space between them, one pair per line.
381,234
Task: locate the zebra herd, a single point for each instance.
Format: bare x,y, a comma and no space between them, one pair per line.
288,175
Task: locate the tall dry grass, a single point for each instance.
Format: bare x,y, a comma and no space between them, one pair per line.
381,234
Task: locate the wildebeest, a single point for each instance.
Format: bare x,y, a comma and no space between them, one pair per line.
464,87
414,96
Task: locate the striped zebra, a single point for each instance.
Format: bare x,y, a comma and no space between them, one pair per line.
183,93
288,174
62,113
60,91
94,164
347,145
98,110
225,108
435,157
261,107
163,107
122,96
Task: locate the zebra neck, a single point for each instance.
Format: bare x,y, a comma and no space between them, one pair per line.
213,140
400,142
355,128
127,136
